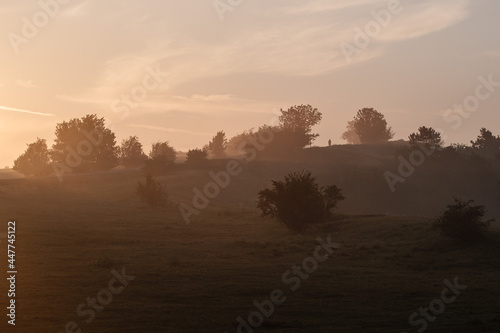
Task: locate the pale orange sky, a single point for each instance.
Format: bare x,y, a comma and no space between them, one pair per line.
236,73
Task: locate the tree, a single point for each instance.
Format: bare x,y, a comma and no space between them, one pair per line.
217,147
486,140
297,123
235,144
298,201
162,151
161,158
85,145
426,135
35,161
196,157
369,126
463,221
131,153
350,135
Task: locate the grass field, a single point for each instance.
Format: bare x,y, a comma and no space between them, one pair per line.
201,277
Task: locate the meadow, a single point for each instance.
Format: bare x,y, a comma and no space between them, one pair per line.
201,277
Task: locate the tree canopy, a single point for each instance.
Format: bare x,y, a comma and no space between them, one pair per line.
85,144
298,201
161,158
196,157
217,146
35,161
297,123
369,126
162,152
426,135
487,140
131,153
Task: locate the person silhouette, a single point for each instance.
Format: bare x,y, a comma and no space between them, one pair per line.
329,142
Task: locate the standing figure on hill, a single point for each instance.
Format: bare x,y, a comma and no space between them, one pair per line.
329,142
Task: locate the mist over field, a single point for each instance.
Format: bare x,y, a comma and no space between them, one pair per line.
236,166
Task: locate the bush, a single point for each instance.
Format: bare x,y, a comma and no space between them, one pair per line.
463,221
196,157
35,161
130,152
217,147
298,201
161,158
152,192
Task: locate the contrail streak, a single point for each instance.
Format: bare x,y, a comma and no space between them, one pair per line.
6,108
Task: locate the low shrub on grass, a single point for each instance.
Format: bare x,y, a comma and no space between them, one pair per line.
152,192
463,221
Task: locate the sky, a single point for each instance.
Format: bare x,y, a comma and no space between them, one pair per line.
180,71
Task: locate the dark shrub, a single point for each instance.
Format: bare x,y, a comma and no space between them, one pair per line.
298,201
161,158
196,157
463,221
152,192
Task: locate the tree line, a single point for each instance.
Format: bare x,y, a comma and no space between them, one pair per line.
87,145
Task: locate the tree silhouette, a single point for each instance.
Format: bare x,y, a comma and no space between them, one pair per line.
350,135
298,201
131,153
163,153
237,142
217,147
196,157
426,135
486,139
369,126
297,123
463,221
35,161
161,158
85,145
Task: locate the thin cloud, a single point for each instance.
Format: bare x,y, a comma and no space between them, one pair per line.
76,10
6,108
325,6
423,18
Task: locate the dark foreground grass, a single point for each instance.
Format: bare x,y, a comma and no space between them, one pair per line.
201,277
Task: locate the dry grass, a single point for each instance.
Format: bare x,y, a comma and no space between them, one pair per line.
201,277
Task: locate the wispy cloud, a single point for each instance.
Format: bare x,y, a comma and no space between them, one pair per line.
76,10
420,19
319,6
6,108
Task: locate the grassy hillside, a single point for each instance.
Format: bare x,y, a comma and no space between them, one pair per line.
201,277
